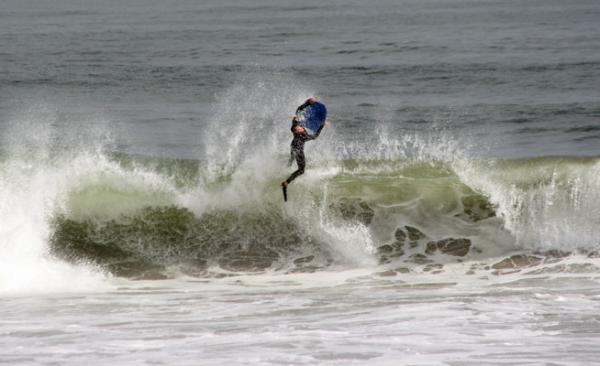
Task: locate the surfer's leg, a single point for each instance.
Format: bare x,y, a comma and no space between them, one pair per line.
301,164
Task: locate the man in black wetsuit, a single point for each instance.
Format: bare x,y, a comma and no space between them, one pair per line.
297,146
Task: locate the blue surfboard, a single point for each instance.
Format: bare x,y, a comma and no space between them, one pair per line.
313,116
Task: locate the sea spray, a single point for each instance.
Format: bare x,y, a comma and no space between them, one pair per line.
250,119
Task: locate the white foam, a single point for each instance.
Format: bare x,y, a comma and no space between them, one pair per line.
352,240
37,180
29,197
545,205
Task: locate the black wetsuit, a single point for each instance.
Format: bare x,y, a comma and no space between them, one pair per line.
297,146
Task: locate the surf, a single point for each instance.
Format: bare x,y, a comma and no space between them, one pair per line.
75,214
141,217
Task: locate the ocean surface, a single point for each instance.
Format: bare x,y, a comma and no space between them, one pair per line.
449,213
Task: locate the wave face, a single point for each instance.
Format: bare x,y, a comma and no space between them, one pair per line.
344,213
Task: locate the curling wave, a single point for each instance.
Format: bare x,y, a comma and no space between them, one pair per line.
359,213
72,214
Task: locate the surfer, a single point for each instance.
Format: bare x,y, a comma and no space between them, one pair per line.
297,145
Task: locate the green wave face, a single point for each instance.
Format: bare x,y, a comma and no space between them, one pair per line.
340,213
147,243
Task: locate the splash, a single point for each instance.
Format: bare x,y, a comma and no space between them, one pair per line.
73,213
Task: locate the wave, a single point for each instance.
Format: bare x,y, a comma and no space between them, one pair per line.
75,213
342,213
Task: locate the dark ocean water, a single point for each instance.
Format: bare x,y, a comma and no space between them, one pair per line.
519,78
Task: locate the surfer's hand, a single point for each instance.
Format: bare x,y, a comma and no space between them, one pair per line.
325,123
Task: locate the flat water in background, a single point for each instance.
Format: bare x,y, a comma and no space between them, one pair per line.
524,76
147,139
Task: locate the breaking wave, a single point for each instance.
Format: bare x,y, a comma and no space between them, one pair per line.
156,218
73,216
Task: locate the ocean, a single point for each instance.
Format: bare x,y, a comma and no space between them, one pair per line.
449,213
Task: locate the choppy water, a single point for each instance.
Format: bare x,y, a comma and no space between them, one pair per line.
333,318
449,213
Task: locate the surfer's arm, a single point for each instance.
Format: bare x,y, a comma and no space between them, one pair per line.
302,107
308,102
